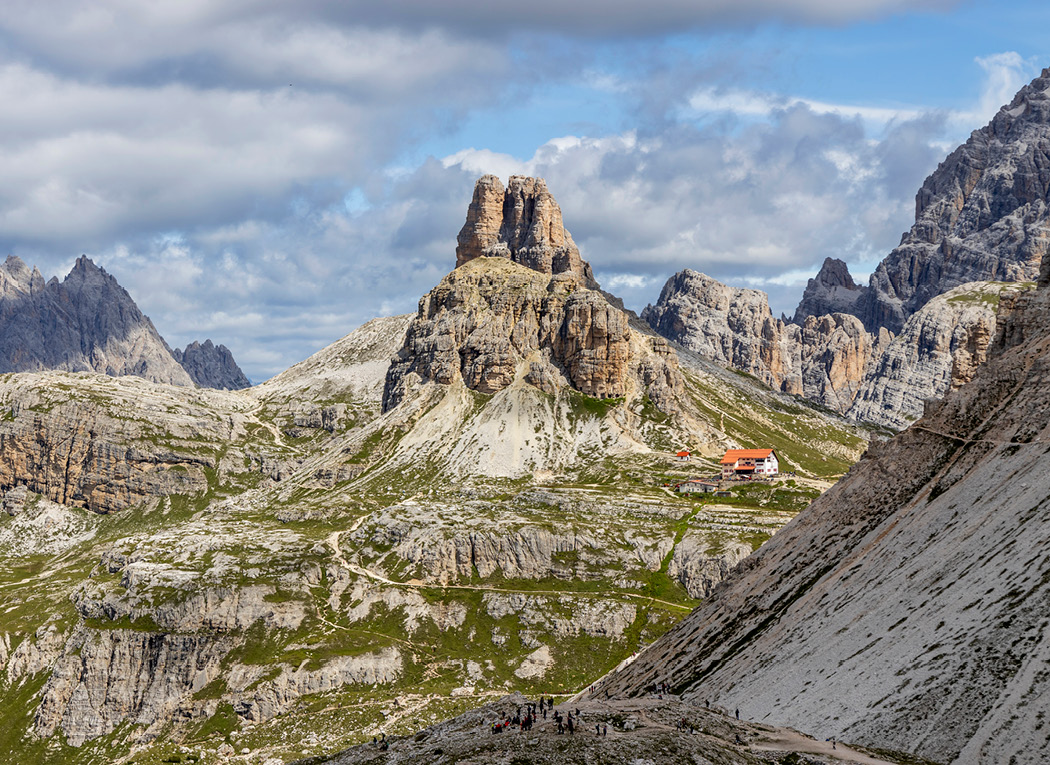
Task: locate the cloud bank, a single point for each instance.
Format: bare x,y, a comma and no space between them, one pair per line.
258,172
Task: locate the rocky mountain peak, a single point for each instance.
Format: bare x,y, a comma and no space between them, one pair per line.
87,322
523,223
492,321
17,278
211,366
980,216
832,290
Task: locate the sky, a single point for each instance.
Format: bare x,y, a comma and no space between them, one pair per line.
271,175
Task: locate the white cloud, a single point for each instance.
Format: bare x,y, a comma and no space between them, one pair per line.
743,103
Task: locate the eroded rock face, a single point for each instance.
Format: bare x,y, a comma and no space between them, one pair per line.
211,366
832,359
490,317
74,458
698,570
86,323
824,360
522,223
939,349
983,216
104,678
725,324
980,216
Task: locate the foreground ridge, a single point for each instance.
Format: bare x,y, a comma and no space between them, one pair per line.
907,607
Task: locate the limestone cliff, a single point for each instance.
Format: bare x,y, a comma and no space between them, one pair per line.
906,608
521,304
76,443
491,316
832,359
940,348
731,326
522,223
825,359
982,216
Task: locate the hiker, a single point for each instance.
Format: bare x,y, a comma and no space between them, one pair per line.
738,714
572,727
605,729
597,729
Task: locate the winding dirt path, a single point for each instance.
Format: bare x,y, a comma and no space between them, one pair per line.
788,740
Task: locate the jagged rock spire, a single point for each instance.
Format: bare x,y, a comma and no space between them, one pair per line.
521,222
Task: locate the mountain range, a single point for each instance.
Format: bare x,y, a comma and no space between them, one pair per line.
89,323
442,508
921,326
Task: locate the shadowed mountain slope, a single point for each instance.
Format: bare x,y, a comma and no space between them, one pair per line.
908,607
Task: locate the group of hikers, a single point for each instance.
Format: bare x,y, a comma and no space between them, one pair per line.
525,718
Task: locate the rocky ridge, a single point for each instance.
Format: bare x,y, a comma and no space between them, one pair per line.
491,322
832,290
85,323
980,216
89,323
904,609
825,359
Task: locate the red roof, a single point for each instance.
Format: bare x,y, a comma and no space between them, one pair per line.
733,455
682,454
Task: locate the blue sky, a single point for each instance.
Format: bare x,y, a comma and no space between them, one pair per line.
271,175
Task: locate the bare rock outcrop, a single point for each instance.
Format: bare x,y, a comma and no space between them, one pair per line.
825,359
110,443
699,571
939,349
522,223
107,677
75,457
833,359
982,216
906,607
270,698
490,318
728,325
211,366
